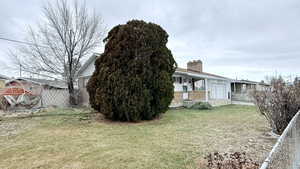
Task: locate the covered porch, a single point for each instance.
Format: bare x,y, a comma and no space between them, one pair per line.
241,90
187,88
195,87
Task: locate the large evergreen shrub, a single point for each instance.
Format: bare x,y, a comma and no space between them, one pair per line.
133,77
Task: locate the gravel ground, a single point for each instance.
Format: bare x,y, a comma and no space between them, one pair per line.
10,124
9,128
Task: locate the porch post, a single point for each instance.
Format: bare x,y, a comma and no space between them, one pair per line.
206,90
234,87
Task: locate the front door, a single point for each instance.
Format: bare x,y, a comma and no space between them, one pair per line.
185,94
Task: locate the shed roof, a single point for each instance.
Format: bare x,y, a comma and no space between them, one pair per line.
3,77
45,82
249,82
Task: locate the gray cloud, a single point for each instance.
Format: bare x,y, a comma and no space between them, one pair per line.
234,38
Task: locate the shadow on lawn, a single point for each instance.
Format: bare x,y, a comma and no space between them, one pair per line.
56,115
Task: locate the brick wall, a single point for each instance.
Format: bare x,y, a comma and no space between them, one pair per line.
197,95
177,100
195,65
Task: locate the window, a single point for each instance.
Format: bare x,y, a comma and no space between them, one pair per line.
200,85
184,88
177,80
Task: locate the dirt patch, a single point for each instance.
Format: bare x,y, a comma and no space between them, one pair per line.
14,127
19,113
234,160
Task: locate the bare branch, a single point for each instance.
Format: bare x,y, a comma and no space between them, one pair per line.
66,35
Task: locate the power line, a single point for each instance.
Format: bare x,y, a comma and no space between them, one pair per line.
22,42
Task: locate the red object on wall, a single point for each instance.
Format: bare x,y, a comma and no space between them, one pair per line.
14,91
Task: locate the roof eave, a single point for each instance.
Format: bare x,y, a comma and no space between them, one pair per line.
87,63
202,76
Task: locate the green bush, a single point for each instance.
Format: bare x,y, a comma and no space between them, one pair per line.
201,106
133,77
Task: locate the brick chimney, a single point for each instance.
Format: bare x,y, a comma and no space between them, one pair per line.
195,65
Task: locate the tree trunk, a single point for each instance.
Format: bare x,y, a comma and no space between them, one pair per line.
72,97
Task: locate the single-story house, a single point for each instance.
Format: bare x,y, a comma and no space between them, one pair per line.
241,89
84,75
49,84
195,85
190,85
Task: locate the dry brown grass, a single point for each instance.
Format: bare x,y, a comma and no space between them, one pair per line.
70,138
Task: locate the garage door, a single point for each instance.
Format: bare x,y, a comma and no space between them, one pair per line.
218,91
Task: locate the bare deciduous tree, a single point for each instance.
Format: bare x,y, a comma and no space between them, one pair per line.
279,104
66,34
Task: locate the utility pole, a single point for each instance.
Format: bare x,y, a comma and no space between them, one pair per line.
20,70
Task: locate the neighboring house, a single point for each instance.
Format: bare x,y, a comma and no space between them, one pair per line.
49,84
44,83
53,92
241,89
84,75
2,80
190,85
297,80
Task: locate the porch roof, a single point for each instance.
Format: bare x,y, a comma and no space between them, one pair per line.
249,82
197,74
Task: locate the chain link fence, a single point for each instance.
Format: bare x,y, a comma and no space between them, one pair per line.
286,152
54,97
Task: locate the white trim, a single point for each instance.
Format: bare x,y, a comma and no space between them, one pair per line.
84,76
202,76
90,61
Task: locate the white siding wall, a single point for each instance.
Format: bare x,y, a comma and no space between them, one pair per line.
177,87
219,89
89,70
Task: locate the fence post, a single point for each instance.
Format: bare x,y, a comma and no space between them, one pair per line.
293,145
297,142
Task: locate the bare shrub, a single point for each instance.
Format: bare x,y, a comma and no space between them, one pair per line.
3,103
235,160
279,104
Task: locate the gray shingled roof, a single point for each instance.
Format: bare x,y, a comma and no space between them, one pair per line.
52,83
4,77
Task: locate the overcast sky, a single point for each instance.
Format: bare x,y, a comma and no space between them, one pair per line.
247,39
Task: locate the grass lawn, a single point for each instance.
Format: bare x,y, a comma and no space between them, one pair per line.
72,138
